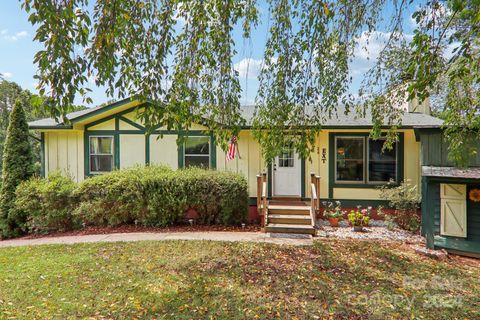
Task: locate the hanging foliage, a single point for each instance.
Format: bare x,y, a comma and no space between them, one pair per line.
177,54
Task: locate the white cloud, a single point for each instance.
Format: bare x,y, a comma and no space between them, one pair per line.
249,68
13,37
370,44
6,75
366,52
21,34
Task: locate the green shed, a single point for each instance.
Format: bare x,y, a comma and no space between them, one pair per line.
450,197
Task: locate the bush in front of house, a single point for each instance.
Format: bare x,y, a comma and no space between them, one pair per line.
111,199
47,203
218,197
158,196
405,199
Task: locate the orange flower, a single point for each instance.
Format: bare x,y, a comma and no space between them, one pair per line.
474,195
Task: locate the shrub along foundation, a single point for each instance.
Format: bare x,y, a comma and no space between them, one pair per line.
152,196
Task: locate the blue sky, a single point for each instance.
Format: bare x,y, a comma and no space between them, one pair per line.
17,50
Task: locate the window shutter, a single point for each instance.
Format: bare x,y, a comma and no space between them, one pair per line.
453,211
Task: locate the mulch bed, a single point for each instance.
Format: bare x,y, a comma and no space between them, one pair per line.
132,228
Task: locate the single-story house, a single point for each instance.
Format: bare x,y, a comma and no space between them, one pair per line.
350,165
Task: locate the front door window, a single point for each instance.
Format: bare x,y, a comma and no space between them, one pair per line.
287,157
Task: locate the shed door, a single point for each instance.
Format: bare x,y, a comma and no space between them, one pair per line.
453,211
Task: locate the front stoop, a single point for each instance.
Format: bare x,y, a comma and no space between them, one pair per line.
289,218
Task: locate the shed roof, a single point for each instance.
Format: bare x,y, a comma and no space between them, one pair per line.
339,120
451,172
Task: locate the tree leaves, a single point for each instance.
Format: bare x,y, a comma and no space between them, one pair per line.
177,54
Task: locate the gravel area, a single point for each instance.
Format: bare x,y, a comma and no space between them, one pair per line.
344,223
370,232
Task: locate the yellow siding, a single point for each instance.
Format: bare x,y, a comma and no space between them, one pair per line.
132,150
312,166
133,116
221,162
64,152
322,143
126,126
256,165
164,150
196,126
106,125
110,112
412,159
356,193
249,163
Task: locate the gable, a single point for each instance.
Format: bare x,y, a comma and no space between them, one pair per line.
105,125
127,120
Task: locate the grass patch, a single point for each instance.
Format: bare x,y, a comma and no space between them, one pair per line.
205,280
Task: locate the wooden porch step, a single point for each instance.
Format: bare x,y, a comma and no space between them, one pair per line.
289,228
290,219
282,202
290,210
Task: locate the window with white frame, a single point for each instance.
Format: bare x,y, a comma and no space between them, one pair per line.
197,151
361,160
101,154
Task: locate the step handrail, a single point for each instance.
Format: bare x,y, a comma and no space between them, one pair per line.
264,203
314,179
313,201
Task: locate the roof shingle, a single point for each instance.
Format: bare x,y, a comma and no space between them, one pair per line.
341,119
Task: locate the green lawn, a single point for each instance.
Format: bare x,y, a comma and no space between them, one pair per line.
214,280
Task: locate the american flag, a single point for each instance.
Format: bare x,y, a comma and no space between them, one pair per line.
232,148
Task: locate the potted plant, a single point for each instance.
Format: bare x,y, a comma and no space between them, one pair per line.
359,218
333,212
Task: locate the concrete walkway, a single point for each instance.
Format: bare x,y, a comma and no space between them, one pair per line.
258,237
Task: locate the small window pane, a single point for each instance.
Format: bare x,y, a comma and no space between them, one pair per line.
197,161
382,166
197,145
286,158
101,145
101,163
349,159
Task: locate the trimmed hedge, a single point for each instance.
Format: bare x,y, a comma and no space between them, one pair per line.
150,196
48,203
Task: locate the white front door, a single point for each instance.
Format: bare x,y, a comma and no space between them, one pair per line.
287,174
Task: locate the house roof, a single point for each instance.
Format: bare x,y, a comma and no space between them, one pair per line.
51,123
338,120
352,120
